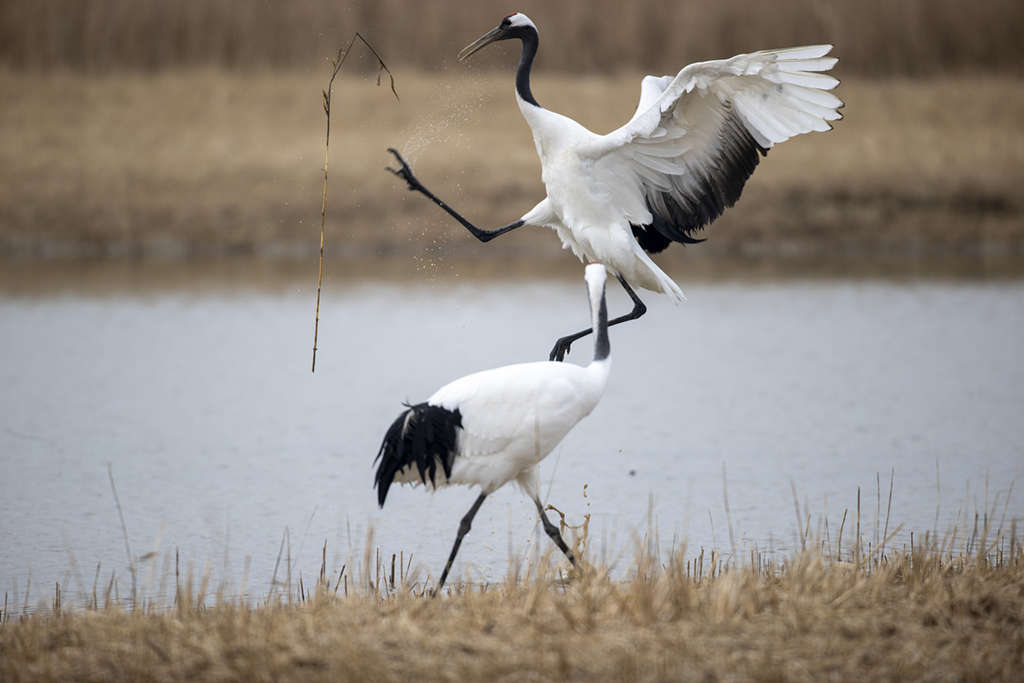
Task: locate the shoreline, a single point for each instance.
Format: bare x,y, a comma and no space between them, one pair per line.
255,272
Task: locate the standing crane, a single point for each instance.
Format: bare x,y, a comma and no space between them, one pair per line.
672,169
491,427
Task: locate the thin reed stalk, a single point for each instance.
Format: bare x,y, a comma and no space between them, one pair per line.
337,62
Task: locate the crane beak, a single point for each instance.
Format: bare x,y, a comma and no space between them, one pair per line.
484,40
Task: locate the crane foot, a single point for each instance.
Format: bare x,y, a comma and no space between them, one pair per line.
561,348
404,172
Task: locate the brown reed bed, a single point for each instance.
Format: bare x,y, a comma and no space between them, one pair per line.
911,37
192,164
949,608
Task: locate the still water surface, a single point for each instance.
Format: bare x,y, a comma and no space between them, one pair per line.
219,437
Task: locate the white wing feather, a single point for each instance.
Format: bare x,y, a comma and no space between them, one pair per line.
694,139
769,85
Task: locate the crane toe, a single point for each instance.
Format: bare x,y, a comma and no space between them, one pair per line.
403,171
559,350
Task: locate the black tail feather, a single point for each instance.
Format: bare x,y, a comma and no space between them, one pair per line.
423,435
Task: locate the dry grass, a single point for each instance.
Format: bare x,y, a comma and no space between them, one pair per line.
847,606
874,36
210,163
921,615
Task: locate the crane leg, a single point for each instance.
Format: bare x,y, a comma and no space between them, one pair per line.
552,531
405,173
464,526
639,308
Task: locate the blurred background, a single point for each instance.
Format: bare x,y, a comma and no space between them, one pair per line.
857,315
181,130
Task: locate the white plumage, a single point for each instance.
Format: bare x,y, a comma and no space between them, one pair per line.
677,143
514,416
674,167
494,426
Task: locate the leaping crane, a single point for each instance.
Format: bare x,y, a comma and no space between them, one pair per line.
672,169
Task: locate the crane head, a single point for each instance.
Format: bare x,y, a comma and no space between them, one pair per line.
515,25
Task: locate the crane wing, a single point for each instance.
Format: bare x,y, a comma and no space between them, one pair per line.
695,138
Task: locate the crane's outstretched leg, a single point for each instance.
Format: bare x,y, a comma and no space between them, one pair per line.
405,173
562,345
552,531
464,526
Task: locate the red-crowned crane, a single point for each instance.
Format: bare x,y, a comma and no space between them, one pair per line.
671,169
492,427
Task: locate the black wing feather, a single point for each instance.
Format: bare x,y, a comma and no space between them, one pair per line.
677,215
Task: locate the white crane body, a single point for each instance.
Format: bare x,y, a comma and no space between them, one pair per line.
512,417
587,208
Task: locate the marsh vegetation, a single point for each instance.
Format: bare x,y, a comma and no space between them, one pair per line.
943,609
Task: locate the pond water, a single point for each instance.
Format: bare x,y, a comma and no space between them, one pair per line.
219,438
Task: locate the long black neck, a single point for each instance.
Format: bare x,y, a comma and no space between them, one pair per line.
602,348
528,35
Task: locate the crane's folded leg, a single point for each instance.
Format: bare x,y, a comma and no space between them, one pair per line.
464,526
552,531
639,308
405,173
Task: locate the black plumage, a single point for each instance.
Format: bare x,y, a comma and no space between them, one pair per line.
423,435
680,212
650,239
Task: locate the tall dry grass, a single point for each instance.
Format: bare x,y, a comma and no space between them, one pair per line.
930,612
846,604
907,37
